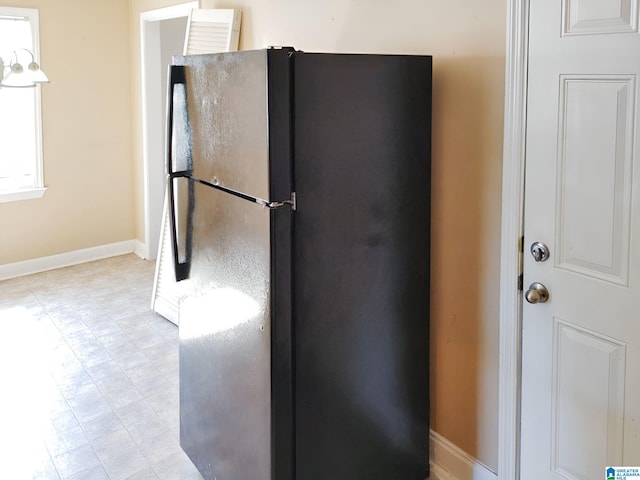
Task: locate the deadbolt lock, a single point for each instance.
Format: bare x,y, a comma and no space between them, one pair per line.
539,251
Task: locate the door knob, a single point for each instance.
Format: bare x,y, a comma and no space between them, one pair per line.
537,293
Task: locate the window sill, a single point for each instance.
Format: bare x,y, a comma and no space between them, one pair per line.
16,195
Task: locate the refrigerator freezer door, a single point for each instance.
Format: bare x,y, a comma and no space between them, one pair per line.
227,100
225,331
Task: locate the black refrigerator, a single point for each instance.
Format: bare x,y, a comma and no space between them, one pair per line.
300,209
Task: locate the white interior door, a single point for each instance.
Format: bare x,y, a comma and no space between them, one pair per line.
580,386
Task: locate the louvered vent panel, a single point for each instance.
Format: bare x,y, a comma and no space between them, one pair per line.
208,37
212,31
165,289
208,31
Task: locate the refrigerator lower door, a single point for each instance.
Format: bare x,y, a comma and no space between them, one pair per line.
225,331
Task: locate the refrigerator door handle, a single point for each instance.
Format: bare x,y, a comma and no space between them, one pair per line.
184,164
180,198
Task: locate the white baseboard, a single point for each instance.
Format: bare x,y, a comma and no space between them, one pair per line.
42,264
141,250
448,462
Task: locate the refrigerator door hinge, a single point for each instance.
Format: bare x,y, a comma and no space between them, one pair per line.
274,205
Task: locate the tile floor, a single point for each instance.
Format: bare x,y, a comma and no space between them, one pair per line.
89,377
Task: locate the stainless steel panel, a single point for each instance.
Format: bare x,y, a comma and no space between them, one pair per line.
227,107
225,331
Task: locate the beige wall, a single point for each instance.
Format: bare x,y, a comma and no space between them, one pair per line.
86,130
467,40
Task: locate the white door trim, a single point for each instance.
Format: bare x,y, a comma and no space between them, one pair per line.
512,230
148,60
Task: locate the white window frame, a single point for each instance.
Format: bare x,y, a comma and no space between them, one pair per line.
38,190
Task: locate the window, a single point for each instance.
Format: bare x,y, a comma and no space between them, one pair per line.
21,172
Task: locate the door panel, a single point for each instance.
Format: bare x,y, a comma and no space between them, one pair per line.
579,393
588,17
580,447
594,174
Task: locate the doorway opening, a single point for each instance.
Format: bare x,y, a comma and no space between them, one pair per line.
162,35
